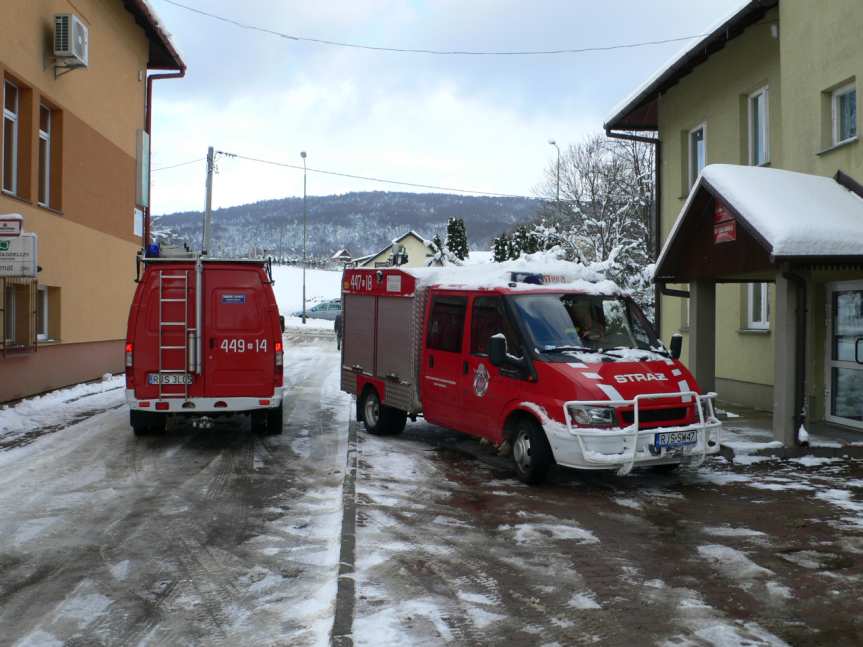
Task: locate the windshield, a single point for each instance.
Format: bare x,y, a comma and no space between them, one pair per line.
583,322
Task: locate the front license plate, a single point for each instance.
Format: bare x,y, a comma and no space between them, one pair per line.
169,378
675,439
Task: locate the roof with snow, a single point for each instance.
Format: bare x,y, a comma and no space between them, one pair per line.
782,215
364,259
639,111
342,253
163,53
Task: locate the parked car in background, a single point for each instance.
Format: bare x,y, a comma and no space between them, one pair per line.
324,310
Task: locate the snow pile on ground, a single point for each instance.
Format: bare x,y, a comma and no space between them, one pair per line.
311,324
321,285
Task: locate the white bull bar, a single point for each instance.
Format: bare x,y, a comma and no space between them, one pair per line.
706,421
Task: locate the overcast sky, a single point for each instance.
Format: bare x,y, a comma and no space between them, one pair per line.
480,123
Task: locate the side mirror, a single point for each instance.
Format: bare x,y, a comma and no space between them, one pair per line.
282,322
676,345
497,350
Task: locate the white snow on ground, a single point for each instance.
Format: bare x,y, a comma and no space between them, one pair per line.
726,531
321,285
732,562
843,500
58,407
814,461
311,324
584,601
528,533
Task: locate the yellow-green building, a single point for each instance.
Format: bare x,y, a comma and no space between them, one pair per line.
772,262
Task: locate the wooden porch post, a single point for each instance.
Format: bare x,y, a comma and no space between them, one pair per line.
785,360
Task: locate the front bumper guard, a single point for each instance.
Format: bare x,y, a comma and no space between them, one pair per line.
632,437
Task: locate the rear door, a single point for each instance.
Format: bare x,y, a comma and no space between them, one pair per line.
238,343
443,365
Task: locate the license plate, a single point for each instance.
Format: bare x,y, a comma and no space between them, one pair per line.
675,439
169,378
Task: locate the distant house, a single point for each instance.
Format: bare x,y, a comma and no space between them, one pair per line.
341,256
414,250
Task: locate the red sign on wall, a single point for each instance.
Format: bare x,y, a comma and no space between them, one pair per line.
724,225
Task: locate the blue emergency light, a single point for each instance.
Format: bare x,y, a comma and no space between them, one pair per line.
152,250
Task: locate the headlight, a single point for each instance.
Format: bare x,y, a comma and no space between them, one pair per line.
591,416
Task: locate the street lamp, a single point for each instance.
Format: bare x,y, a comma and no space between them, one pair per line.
554,143
303,155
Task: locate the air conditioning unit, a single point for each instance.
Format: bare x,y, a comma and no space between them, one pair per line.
71,40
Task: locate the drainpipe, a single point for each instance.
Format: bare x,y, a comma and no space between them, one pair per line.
800,364
148,126
657,190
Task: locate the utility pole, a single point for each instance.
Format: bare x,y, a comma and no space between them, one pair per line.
208,208
303,155
554,143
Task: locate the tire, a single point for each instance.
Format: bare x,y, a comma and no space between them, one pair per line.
379,419
258,420
275,421
531,452
145,423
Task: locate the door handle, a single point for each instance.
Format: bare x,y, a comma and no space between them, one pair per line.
431,361
465,368
212,343
857,350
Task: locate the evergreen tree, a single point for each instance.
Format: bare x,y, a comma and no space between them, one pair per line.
438,243
456,238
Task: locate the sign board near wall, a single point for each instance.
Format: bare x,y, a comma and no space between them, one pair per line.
18,256
11,225
724,225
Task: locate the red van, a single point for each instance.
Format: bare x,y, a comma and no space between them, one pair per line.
566,372
204,340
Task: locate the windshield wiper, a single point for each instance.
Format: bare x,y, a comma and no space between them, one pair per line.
565,349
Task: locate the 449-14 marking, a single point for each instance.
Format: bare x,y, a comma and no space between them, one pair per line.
242,346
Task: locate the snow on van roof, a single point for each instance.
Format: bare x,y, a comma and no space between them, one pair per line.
590,278
797,214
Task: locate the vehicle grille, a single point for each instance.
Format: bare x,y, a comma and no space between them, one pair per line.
655,417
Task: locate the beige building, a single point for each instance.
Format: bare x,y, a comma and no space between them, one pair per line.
74,153
772,87
415,251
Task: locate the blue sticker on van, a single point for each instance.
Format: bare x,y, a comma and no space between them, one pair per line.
233,298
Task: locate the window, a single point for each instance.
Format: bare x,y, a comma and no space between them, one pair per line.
446,324
697,152
489,317
759,143
18,306
844,114
45,119
10,137
757,306
42,313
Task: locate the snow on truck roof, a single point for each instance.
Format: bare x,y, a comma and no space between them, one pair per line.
796,214
541,270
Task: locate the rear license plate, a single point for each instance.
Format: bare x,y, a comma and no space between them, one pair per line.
675,439
169,378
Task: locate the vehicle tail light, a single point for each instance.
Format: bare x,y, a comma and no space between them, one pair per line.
280,355
162,406
264,403
129,348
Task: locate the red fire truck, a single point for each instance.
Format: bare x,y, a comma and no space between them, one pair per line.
561,371
204,340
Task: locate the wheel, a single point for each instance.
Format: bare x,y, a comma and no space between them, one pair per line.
258,421
144,423
380,419
531,452
275,421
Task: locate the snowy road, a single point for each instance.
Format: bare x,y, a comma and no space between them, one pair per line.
222,537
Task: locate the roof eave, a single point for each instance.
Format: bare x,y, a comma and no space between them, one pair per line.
162,55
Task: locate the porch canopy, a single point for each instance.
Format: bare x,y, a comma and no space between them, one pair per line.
741,220
744,224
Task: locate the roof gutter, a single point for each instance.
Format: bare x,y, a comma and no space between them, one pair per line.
148,127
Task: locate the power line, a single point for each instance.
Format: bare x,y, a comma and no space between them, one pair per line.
165,168
371,179
437,52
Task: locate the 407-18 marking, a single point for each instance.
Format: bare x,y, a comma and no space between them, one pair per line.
243,346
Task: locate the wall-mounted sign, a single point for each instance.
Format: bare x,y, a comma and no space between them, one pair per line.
11,225
18,256
724,225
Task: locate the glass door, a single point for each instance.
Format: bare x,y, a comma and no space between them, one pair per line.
845,353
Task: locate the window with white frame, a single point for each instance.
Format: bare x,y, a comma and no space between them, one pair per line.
844,102
759,132
758,306
45,118
42,314
9,161
697,152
